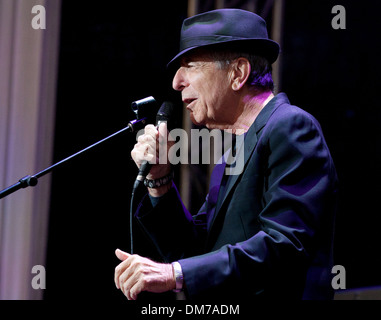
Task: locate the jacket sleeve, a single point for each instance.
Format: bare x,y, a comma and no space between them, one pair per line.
299,181
172,229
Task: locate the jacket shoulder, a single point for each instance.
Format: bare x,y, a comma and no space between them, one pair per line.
290,117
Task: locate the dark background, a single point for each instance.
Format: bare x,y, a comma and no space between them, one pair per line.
113,53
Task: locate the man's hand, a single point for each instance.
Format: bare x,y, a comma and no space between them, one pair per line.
136,274
153,147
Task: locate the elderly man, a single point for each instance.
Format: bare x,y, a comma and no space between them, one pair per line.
266,232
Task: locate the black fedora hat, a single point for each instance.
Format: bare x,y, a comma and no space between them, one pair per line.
228,27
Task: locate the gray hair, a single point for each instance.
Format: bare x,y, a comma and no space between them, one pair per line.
261,69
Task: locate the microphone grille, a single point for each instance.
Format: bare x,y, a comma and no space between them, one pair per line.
165,111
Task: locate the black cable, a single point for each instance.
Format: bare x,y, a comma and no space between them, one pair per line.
131,218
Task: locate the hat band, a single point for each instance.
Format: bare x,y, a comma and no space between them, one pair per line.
206,40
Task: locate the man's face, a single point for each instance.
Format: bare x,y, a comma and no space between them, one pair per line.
205,88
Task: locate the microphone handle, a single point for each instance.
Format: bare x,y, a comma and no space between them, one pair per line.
143,171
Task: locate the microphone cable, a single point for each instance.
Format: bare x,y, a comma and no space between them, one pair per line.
163,115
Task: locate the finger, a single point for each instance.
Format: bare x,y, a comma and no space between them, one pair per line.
128,278
143,152
125,275
134,291
163,132
121,254
134,157
142,138
146,138
121,267
145,141
131,283
144,149
126,287
148,153
121,273
117,272
139,153
151,130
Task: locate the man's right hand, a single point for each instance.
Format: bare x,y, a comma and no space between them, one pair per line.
151,147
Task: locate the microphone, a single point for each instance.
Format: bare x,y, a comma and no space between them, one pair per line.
143,110
143,107
163,115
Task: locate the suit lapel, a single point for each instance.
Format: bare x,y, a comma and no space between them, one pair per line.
214,189
245,150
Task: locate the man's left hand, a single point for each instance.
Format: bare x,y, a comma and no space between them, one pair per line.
136,274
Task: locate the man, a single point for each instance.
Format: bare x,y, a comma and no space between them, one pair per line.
266,232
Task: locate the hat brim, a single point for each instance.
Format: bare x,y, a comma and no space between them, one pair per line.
266,48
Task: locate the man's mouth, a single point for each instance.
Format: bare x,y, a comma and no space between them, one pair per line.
189,102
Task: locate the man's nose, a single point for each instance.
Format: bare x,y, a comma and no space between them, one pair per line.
179,82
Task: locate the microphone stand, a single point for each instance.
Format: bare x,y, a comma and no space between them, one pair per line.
134,125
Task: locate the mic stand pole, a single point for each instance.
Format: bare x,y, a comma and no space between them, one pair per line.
32,180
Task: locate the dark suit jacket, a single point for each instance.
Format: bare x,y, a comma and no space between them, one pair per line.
270,233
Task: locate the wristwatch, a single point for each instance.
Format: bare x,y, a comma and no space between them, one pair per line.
178,272
159,182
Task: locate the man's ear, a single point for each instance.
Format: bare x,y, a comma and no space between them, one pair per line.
240,71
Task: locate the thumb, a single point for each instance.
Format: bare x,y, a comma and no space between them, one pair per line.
163,132
121,254
165,136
